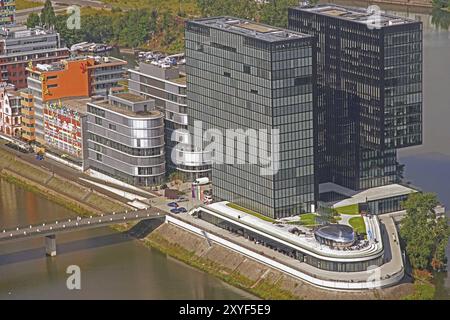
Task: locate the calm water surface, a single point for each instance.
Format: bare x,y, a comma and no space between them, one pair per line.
112,265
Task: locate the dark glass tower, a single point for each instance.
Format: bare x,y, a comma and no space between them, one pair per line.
369,84
244,75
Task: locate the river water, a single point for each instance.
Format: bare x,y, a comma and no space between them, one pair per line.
112,265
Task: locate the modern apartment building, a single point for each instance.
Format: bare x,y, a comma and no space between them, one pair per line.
245,75
7,11
75,77
126,139
167,86
20,46
369,79
10,105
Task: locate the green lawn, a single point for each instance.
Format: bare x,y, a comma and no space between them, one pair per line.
308,219
253,213
352,209
26,4
187,6
358,224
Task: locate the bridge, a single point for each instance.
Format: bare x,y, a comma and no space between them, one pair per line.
49,230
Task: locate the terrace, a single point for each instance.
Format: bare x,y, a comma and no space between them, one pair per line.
302,237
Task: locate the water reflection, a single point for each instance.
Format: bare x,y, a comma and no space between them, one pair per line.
113,265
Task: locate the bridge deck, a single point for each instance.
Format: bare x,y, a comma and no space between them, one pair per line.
78,223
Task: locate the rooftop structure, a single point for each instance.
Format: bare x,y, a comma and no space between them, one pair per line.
358,15
132,105
250,29
20,45
338,235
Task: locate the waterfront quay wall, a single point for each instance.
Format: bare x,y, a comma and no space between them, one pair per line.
70,194
248,270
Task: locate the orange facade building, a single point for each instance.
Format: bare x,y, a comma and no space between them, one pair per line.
80,77
72,80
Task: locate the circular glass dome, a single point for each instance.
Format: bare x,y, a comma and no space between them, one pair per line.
335,235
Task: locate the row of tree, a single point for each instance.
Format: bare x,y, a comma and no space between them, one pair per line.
272,12
161,29
133,28
425,233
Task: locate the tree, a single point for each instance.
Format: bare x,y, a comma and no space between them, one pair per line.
275,12
48,16
33,20
426,235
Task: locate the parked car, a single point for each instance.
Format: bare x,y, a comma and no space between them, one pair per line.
182,199
173,204
182,210
24,148
175,210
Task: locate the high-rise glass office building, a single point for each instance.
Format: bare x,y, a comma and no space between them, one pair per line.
249,76
369,86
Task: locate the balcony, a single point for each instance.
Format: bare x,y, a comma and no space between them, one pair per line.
177,118
192,158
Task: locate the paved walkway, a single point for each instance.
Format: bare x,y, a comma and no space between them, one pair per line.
345,218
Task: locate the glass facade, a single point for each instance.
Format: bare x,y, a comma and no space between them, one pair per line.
240,78
369,84
385,205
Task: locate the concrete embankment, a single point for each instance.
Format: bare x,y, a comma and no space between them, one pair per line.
248,274
69,194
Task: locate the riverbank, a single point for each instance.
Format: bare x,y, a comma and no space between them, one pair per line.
248,274
68,194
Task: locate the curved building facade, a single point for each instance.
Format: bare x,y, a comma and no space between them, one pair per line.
167,86
357,257
126,139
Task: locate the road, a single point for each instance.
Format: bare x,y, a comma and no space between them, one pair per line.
69,173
